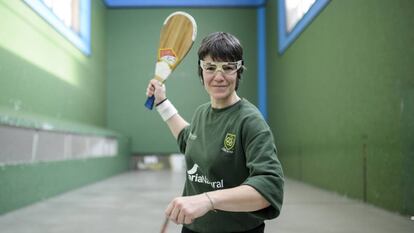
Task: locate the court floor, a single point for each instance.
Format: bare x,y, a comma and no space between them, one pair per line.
135,201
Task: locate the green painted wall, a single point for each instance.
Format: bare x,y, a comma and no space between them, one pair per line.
25,184
133,38
45,79
341,101
42,72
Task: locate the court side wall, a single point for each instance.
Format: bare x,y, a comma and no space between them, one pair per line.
46,84
133,39
341,101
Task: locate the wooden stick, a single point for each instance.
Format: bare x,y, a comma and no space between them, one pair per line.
164,226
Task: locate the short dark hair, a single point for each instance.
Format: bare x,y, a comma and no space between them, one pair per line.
221,46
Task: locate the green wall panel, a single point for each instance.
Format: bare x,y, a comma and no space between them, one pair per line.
25,184
45,81
341,104
132,52
42,72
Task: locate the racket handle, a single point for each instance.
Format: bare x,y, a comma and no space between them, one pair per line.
164,226
150,102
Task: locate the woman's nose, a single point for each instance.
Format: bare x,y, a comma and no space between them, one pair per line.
219,75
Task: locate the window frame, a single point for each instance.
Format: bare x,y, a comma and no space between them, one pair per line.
82,40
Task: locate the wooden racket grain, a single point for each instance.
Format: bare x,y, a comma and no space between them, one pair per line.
176,39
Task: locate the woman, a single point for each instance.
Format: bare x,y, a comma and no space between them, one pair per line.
234,179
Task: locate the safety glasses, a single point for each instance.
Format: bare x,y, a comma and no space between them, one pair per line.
227,68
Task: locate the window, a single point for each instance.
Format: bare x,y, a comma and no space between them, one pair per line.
71,18
67,11
294,17
295,10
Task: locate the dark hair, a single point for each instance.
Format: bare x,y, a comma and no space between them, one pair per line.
221,46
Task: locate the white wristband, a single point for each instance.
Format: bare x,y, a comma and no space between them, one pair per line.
166,110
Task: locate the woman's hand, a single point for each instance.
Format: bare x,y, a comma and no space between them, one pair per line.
183,210
157,89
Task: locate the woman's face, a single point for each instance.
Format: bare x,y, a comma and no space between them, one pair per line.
219,79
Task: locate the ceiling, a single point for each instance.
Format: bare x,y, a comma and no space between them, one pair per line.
183,3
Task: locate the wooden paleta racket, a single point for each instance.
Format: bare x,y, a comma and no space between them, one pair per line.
177,36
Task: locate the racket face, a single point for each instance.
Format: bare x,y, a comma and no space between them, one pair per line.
177,37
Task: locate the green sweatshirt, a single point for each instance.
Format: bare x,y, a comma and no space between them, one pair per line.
225,148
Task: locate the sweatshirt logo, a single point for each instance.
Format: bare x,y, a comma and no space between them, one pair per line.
229,142
193,176
193,170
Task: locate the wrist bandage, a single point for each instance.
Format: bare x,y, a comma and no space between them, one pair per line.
166,110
